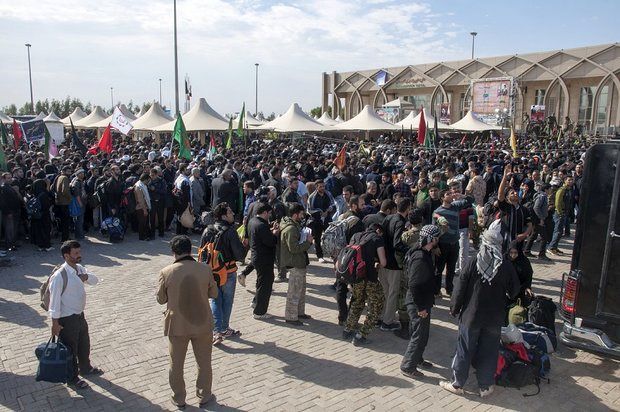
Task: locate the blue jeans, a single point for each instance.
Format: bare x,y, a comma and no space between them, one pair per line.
558,230
222,305
477,347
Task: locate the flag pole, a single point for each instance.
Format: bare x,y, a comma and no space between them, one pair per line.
176,62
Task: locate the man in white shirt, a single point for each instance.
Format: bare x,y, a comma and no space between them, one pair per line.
66,309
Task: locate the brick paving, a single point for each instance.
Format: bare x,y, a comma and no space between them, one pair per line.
272,366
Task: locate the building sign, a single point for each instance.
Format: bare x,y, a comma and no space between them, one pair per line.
490,97
411,82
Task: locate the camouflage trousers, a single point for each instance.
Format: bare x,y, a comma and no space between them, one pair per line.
296,294
370,293
403,315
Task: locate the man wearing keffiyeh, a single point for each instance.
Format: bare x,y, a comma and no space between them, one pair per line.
479,299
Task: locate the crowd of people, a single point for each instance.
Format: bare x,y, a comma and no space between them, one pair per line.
414,213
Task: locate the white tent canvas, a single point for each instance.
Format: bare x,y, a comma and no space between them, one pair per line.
399,103
5,119
40,116
469,123
366,120
326,120
77,115
94,117
294,120
250,121
105,122
413,122
200,117
153,117
55,127
338,119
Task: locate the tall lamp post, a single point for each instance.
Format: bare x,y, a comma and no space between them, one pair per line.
256,92
176,63
28,45
473,40
160,91
112,96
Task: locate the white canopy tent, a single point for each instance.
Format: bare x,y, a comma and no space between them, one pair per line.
294,120
140,113
105,122
326,120
366,120
413,122
200,117
469,123
56,128
250,121
153,117
94,117
77,115
40,116
5,119
338,119
399,103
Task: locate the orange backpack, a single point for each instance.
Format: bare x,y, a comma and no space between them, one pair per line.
210,255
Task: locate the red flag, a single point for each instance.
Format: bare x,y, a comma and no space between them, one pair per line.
105,143
17,135
463,139
421,127
341,160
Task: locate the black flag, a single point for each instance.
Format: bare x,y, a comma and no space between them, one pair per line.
77,143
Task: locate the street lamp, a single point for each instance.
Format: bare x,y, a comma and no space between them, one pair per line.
473,39
28,45
256,112
160,91
112,96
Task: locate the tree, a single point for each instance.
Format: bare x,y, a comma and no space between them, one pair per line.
271,116
318,111
146,106
11,109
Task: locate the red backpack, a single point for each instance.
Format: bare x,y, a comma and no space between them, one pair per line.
350,265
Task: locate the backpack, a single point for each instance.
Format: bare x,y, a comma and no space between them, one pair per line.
128,200
542,361
350,264
44,291
519,374
334,239
542,312
34,208
212,256
517,314
539,336
114,228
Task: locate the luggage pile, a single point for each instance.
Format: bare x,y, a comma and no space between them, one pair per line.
523,358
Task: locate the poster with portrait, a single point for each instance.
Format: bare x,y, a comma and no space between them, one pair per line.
444,113
490,96
537,113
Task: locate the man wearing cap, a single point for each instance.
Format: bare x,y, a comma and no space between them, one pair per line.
420,298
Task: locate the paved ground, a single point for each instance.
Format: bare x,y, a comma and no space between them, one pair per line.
272,366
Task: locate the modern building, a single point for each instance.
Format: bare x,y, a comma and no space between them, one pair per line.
580,83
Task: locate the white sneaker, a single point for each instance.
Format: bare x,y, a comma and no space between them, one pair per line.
486,392
241,280
451,388
260,317
322,260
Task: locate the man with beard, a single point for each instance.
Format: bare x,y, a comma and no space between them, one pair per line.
113,192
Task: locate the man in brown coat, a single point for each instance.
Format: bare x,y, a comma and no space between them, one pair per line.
186,286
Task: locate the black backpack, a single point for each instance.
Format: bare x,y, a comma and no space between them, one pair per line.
541,312
520,374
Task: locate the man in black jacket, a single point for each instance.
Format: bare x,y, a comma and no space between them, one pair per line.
480,299
420,270
224,189
263,240
388,207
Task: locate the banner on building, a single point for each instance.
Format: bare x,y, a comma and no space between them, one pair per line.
537,113
444,113
33,130
389,114
490,97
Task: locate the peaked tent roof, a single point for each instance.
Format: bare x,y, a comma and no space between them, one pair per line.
399,103
326,120
413,122
5,119
124,110
200,117
140,113
338,119
368,120
294,120
77,115
470,123
250,120
95,116
40,116
153,117
52,118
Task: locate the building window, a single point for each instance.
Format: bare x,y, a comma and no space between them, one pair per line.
586,100
601,109
539,97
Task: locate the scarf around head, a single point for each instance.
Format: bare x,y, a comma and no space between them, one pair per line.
489,257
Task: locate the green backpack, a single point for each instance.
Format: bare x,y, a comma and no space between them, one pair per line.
517,314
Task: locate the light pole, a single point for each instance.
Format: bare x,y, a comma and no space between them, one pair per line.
256,93
176,63
160,91
28,45
473,40
112,96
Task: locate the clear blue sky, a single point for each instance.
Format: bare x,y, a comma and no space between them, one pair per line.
83,47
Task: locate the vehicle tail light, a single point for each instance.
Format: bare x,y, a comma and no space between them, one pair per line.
569,293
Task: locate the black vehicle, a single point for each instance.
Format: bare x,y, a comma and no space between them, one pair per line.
590,294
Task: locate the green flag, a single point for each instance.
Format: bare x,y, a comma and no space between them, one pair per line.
179,135
46,146
427,137
230,133
4,134
241,124
2,160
